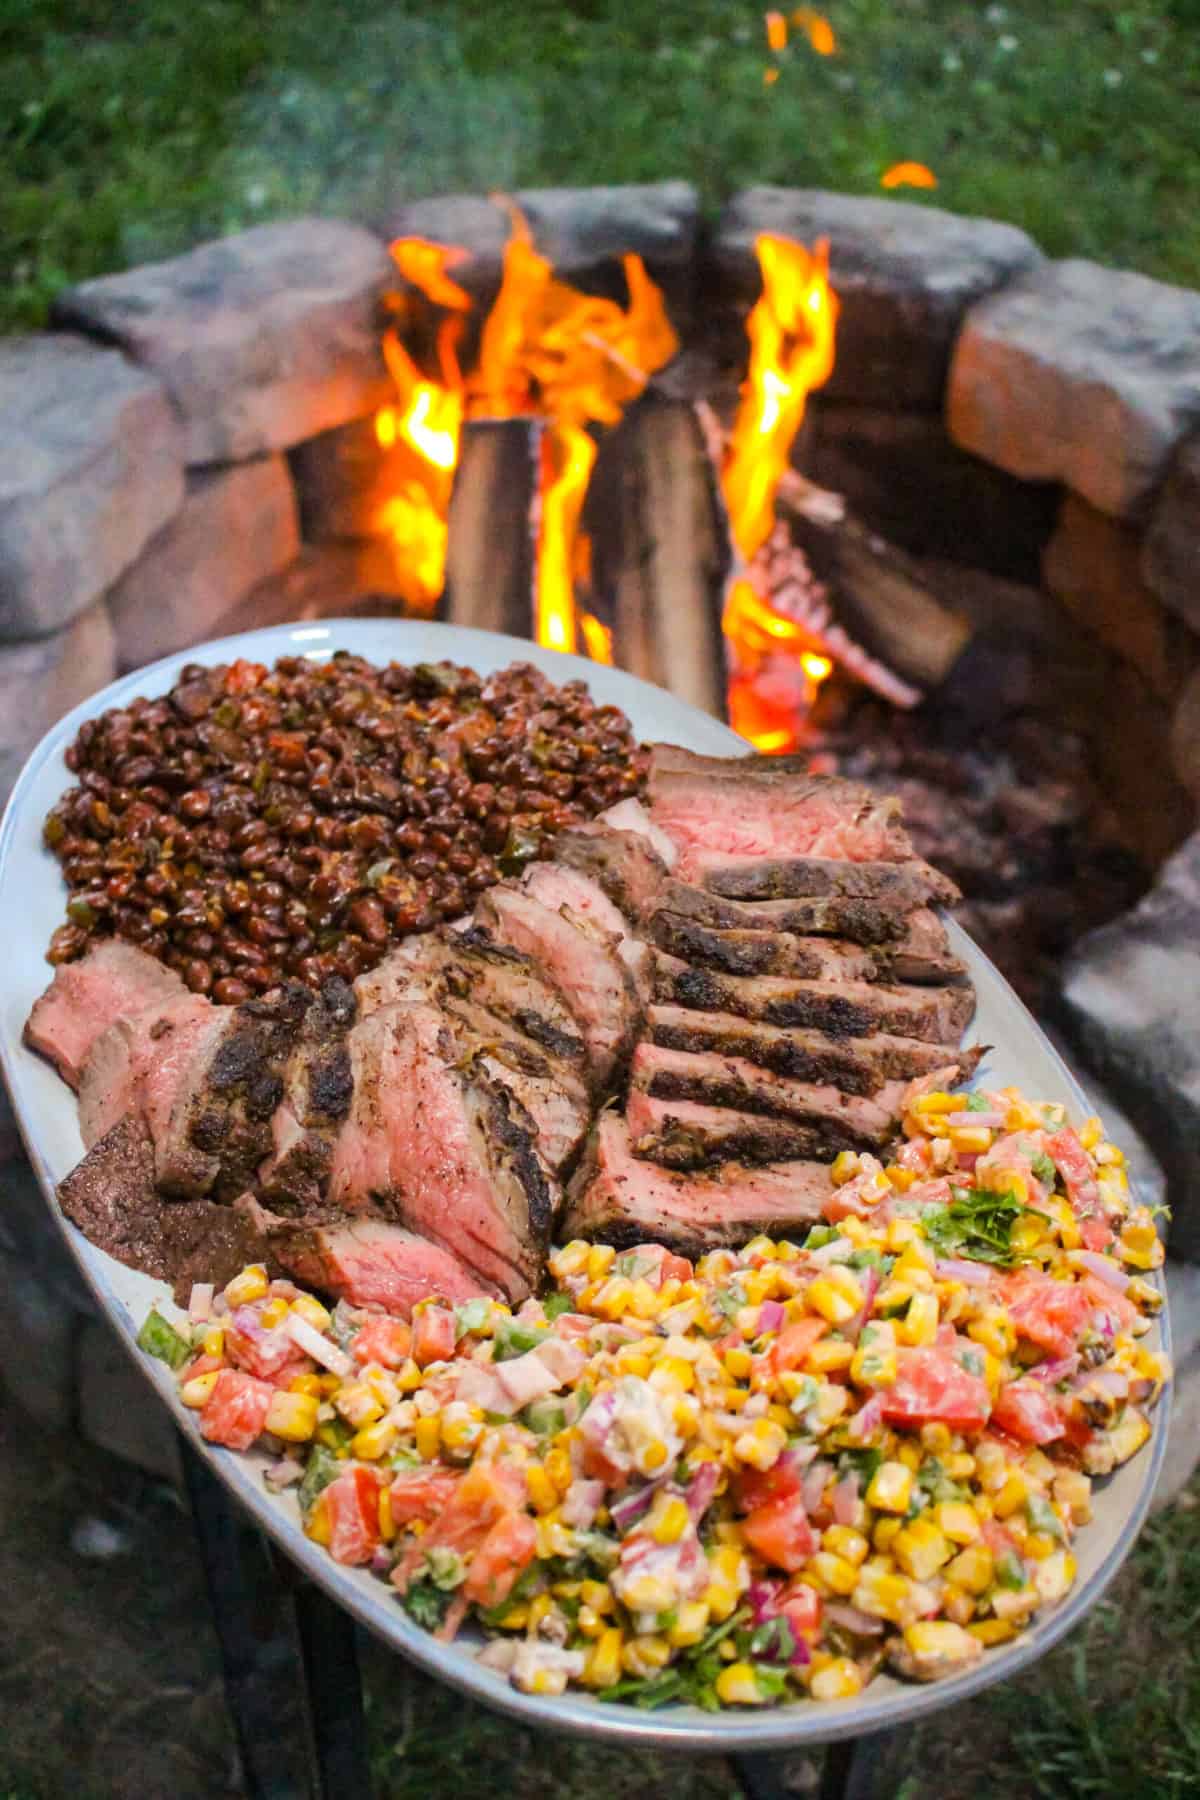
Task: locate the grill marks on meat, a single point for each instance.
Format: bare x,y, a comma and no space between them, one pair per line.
922,955
861,921
366,1261
862,1122
685,1134
624,863
841,1008
221,1122
623,1200
901,884
318,1086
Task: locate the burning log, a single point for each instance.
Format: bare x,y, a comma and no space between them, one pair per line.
489,557
660,563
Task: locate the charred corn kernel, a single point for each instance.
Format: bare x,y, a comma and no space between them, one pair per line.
516,1618
957,1604
1091,1132
1039,1545
572,1259
408,1377
194,1393
614,1298
1144,1295
1069,1233
557,1465
844,1541
1129,1435
649,1594
373,1441
891,1487
1020,1116
674,1374
873,1363
993,1329
634,1362
213,1341
305,1384
762,1445
837,1294
1054,1575
1007,1604
318,1525
1108,1156
671,1519
937,1102
829,1356
757,1285
329,1385
654,1457
957,1521
603,1666
291,1416
993,1631
645,1655
540,1607
588,1622
921,1549
311,1310
991,1466
737,1685
881,1593
884,1531
274,1313
840,1679
1012,1494
845,1167
960,1465
900,1233
983,1507
357,1404
598,1595
721,1600
920,1322
781,1416
546,1681
1027,1233
832,1401
1073,1492
971,1139
600,1260
643,1300
553,1539
387,1522
691,1623
833,1574
250,1285
542,1491
910,1455
427,1434
759,1249
901,1179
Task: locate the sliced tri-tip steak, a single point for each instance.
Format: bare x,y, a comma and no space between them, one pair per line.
857,1065
135,1067
622,1200
901,884
768,806
626,864
317,1089
731,1082
445,1151
580,898
113,1198
367,1261
841,1008
551,1090
111,982
923,954
584,964
842,916
685,1134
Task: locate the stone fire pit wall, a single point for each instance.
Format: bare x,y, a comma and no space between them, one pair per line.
187,452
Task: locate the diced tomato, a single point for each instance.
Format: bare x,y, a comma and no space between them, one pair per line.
243,677
382,1340
1100,1296
794,1342
352,1507
759,1487
509,1547
801,1607
1028,1412
998,1539
675,1268
486,1493
597,1467
276,1361
423,1494
781,1533
932,1388
236,1411
199,1365
1096,1234
844,1202
1075,1166
1049,1313
434,1334
573,1325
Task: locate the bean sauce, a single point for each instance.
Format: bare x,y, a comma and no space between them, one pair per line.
259,823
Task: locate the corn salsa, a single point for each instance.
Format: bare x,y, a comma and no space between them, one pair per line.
764,1476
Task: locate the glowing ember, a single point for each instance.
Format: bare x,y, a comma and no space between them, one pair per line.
816,29
908,174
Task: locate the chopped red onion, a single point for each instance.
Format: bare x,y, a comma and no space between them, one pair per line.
1058,1368
1103,1268
381,1559
313,1344
851,1619
845,1500
801,1654
770,1316
870,1287
815,1482
581,1503
200,1302
628,1510
867,1420
701,1489
284,1474
762,1597
957,1268
992,1120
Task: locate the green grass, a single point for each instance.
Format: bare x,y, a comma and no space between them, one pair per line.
131,128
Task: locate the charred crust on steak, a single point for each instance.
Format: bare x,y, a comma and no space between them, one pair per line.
331,1083
550,1036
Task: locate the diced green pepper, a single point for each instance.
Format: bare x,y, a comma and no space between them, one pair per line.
158,1337
322,1468
513,1339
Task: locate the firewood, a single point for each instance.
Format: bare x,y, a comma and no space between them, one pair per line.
489,553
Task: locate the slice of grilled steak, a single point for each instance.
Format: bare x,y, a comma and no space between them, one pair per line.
111,982
901,884
731,1081
684,1134
583,962
857,1065
317,1089
841,1008
580,898
624,863
922,955
367,1261
768,806
220,1130
620,1200
113,1199
549,1089
861,921
445,1151
135,1067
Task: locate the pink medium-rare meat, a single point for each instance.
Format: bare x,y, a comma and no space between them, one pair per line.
624,863
901,884
369,1262
686,1134
922,955
861,921
631,817
580,898
840,1008
317,1089
551,1092
135,1065
86,997
731,1081
621,1200
768,806
584,965
446,1152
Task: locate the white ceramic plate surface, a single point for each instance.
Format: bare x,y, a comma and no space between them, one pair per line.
32,898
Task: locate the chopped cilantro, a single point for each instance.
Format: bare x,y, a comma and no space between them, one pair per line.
322,1468
426,1604
472,1315
773,1640
1042,1517
976,1225
730,1300
862,1463
556,1304
1010,1571
1043,1167
977,1103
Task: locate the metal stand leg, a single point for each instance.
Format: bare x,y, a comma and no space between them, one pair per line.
290,1672
849,1773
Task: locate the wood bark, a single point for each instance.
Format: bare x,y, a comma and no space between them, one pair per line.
489,554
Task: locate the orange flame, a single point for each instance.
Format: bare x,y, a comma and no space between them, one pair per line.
816,29
777,31
908,174
425,264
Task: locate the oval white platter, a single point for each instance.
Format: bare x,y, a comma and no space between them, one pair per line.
32,898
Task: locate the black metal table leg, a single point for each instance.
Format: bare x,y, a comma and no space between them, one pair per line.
332,1689
850,1770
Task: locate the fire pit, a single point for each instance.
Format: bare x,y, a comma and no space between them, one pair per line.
921,506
